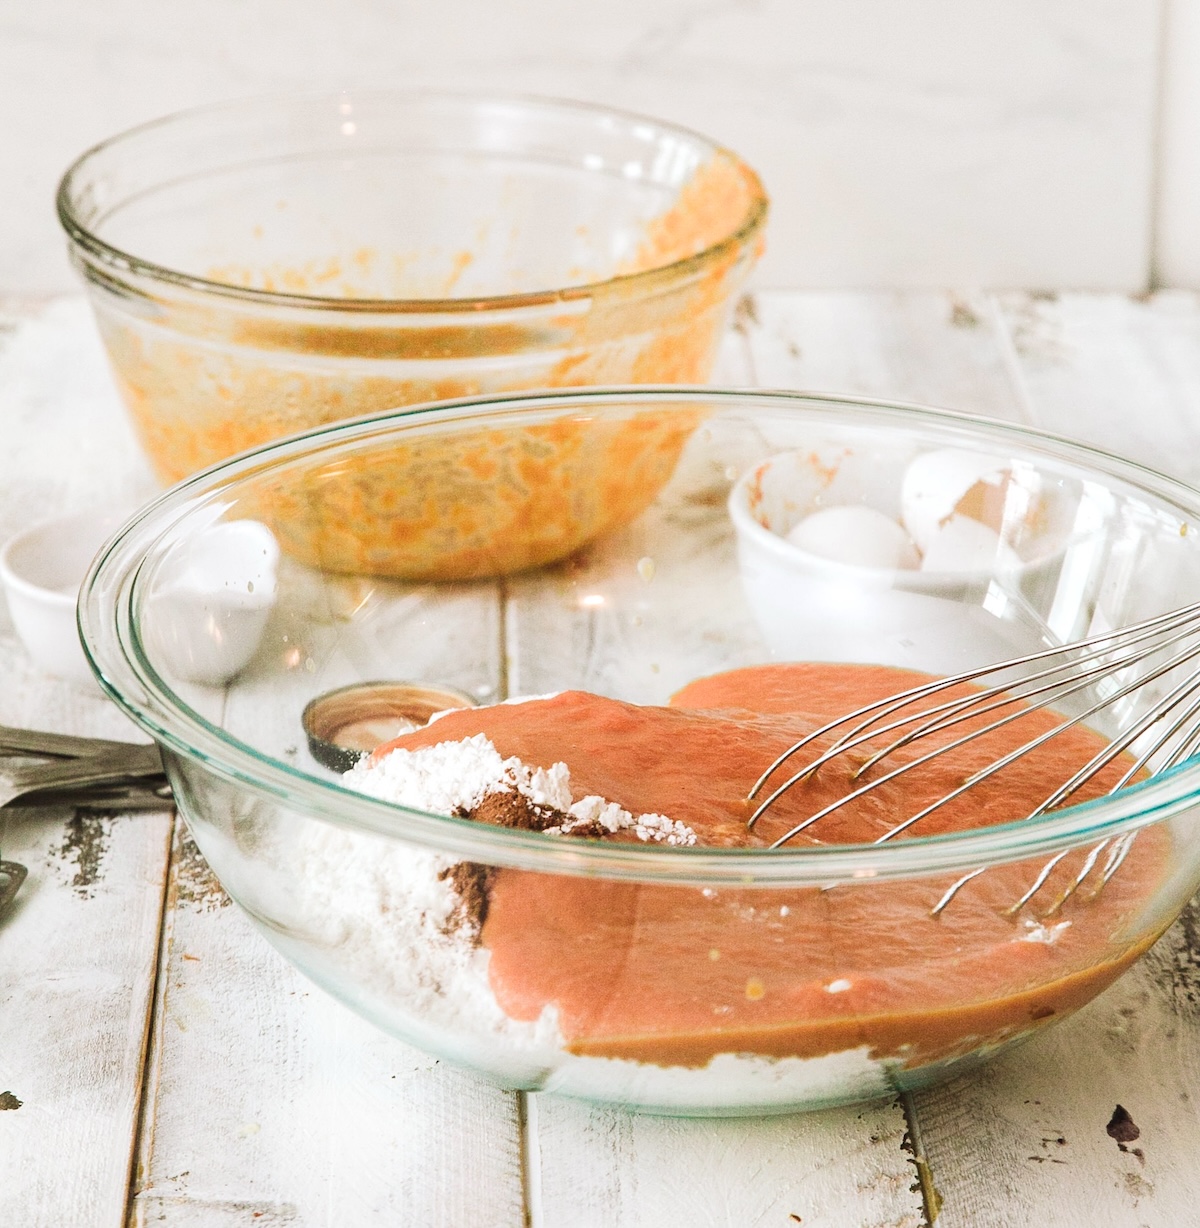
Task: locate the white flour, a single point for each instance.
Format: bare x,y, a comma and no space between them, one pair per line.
379,922
456,776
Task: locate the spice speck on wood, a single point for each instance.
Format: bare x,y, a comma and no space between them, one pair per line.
1122,1130
85,843
196,884
961,316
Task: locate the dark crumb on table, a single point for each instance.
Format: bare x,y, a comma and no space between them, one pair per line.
1121,1127
1123,1130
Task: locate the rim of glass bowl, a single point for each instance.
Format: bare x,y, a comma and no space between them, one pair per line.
114,652
645,280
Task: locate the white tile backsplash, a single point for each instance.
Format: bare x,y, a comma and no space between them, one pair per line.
904,142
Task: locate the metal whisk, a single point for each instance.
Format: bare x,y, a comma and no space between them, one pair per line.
1109,667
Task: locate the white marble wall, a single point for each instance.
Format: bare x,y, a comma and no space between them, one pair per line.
905,142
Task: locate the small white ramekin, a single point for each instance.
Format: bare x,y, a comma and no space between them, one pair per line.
41,569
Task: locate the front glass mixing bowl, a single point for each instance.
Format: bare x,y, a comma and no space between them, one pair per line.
260,268
680,979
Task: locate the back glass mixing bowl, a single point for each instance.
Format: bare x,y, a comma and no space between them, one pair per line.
613,931
262,267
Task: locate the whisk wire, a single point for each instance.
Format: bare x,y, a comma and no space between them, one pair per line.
1115,664
1086,648
999,696
1121,743
992,768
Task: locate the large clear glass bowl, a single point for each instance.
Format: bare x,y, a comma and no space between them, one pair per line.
678,979
263,267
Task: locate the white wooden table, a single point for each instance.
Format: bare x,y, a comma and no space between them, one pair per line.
160,1064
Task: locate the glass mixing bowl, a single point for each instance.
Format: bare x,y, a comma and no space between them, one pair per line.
260,268
679,979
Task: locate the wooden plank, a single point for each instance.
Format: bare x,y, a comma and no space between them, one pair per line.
829,1169
1026,1140
271,1099
77,953
628,617
275,1104
929,347
76,979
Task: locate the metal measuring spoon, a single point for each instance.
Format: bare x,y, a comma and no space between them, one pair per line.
12,876
21,776
88,773
36,765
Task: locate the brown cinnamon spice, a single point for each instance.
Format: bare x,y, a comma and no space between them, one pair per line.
472,881
513,809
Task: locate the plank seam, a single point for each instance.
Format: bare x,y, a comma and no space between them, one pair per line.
931,1200
142,1143
531,1160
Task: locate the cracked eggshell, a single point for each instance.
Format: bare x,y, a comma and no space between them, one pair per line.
210,601
856,535
935,483
961,544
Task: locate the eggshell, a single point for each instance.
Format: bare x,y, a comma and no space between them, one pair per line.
934,484
856,535
210,601
963,544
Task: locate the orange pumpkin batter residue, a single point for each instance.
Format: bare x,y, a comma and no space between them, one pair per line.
205,379
676,974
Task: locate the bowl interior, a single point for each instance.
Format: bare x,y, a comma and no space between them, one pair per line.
52,557
394,196
641,609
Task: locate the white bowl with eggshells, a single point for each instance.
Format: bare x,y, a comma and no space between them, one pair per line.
862,549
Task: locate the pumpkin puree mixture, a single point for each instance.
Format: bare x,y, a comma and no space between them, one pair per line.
676,974
206,379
